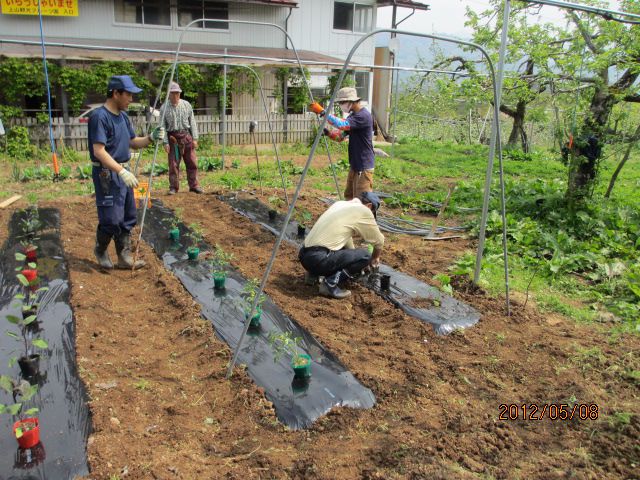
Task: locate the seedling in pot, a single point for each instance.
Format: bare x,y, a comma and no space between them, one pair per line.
303,217
26,430
31,223
247,297
276,203
29,360
219,262
29,250
173,224
285,343
196,236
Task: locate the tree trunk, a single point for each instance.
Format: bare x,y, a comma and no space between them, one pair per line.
587,147
518,133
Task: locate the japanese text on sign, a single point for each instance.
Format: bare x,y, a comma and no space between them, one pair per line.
57,8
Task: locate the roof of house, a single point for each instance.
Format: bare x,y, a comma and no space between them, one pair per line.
284,3
403,3
88,50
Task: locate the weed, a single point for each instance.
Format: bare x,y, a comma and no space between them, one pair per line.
142,384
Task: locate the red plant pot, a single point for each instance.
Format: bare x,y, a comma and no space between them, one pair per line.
31,255
30,437
30,274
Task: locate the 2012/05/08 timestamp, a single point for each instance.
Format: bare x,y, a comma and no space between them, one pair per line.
552,411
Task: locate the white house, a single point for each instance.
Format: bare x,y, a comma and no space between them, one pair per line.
322,31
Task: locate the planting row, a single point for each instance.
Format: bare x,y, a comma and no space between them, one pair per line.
300,377
49,425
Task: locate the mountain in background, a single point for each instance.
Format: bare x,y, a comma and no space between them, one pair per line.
414,49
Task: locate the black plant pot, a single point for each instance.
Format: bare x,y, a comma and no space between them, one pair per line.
385,282
29,365
301,231
272,215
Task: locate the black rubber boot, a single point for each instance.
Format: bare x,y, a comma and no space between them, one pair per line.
123,248
329,287
102,255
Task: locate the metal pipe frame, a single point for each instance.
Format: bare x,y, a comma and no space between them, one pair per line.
496,140
605,12
323,122
222,55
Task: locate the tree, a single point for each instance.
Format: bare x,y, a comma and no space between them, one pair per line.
609,53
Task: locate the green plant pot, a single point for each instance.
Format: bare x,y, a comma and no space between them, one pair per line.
193,252
174,234
255,320
302,371
218,280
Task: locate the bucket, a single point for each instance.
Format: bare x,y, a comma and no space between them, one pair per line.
302,371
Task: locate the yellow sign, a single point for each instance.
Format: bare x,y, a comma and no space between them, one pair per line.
54,8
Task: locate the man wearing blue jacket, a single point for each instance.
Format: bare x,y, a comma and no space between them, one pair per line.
111,136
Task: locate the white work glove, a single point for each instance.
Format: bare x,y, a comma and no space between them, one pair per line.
128,178
157,134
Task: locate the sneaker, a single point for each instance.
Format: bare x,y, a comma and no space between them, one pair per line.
332,292
172,191
196,190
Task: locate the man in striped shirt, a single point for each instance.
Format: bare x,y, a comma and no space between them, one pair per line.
181,140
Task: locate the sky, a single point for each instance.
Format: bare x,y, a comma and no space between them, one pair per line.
448,16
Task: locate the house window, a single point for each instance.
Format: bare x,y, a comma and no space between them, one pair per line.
143,12
362,84
352,17
191,10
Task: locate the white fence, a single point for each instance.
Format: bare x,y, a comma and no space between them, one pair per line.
286,129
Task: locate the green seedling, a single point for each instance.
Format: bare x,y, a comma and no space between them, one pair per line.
196,234
220,260
285,343
174,222
19,390
248,295
303,217
24,336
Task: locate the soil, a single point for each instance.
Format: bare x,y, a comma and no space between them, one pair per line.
162,408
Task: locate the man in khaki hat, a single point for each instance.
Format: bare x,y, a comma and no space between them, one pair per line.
358,125
181,140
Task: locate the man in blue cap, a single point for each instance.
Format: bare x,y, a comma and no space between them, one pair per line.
111,136
329,251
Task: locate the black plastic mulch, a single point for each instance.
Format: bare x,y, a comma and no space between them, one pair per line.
297,404
64,416
416,298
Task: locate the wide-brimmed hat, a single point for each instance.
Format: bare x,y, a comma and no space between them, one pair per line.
174,87
123,82
347,94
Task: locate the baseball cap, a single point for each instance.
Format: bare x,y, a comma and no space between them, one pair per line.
373,199
123,82
174,87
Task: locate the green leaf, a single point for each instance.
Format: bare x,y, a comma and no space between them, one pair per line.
6,383
38,342
31,411
14,409
13,319
23,280
21,257
13,335
29,319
